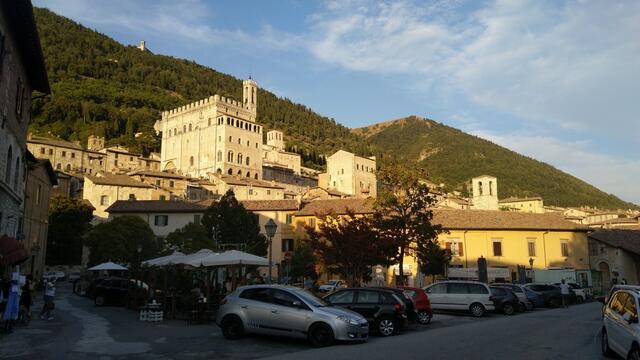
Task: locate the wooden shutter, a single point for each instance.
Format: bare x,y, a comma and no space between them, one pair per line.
460,249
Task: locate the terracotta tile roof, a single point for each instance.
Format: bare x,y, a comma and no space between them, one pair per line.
154,206
162,174
232,180
628,240
515,199
117,180
338,206
501,220
257,205
619,220
54,142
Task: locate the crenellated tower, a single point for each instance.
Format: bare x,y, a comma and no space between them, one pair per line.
250,95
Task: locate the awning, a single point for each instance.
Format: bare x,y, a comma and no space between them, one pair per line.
11,251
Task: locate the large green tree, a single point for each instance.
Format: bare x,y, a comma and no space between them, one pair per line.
350,246
189,239
118,240
433,259
234,226
402,214
69,220
303,262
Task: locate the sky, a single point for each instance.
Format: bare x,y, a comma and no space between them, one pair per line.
558,81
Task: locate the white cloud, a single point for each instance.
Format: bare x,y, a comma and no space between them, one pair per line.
611,174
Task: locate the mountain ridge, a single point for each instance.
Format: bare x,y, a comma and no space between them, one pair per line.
106,88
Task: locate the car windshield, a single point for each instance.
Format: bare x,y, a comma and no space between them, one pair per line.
333,282
311,299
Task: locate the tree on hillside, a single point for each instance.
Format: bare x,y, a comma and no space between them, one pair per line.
234,226
118,240
303,262
189,239
349,246
433,259
402,214
69,220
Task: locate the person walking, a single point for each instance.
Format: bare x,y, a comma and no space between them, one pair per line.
49,305
564,291
26,300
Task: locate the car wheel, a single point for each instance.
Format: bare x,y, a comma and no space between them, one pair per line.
321,335
634,353
232,328
604,343
477,310
579,300
424,317
508,309
99,300
386,326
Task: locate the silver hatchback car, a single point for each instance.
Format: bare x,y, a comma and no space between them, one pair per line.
288,311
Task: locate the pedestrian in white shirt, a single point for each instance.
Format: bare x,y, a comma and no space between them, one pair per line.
564,291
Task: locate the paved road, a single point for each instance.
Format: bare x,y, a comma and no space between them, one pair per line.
550,334
82,331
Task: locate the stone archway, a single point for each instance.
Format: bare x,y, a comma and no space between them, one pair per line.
170,165
605,271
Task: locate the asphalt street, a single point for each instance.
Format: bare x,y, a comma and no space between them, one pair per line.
81,330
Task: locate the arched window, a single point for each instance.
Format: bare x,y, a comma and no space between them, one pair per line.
16,176
230,156
240,158
247,161
490,187
239,141
248,174
184,128
175,131
480,187
7,171
255,176
230,172
230,139
248,143
219,155
58,166
68,167
240,172
219,171
191,161
189,127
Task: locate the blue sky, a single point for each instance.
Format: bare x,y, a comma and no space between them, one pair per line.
557,81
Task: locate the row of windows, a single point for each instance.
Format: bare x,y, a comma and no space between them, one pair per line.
221,121
12,169
363,168
239,141
230,158
456,247
43,151
239,173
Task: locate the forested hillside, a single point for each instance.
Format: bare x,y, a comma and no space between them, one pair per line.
453,157
101,86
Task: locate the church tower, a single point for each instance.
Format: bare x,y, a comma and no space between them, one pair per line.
250,95
485,192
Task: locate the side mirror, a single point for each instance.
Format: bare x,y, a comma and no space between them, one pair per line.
629,318
297,304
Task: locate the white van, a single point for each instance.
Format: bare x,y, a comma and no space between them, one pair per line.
472,296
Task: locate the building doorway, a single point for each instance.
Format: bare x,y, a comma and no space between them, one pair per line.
605,271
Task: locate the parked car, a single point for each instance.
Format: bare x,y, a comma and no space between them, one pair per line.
536,298
505,300
581,295
332,285
615,288
422,303
383,309
620,329
288,311
472,296
523,301
551,294
115,291
412,313
54,276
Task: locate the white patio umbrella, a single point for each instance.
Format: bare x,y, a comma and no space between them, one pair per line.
108,266
194,259
233,257
164,260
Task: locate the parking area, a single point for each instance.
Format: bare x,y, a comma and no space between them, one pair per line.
80,330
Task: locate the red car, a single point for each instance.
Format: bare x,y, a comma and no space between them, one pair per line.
423,305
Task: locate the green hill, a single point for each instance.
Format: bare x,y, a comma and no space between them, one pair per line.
453,157
103,87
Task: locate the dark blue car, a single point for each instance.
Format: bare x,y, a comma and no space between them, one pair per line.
536,298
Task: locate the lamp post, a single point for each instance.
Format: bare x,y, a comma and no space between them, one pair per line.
531,267
270,227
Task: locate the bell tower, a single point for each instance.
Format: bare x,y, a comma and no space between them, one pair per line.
250,95
485,192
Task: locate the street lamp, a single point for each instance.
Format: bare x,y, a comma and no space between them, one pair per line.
270,227
531,263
